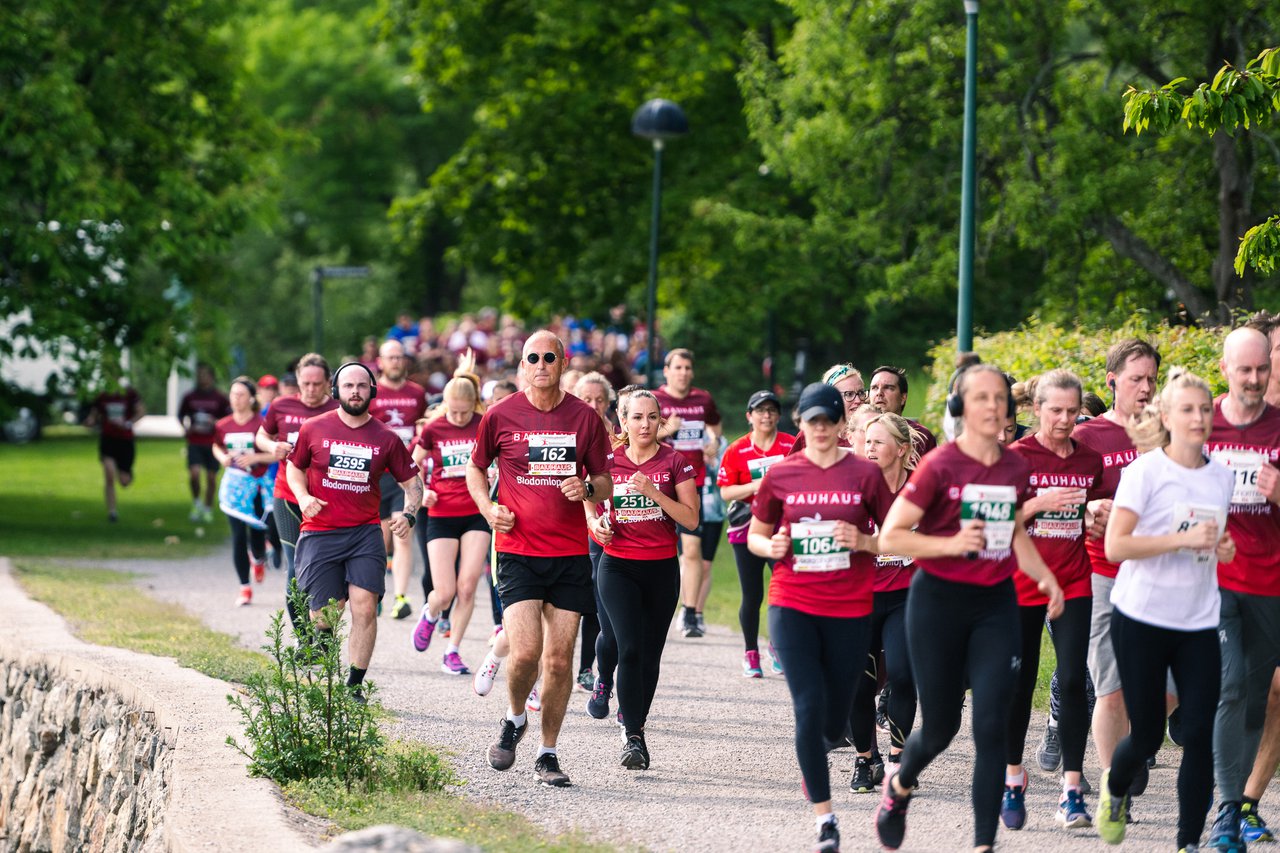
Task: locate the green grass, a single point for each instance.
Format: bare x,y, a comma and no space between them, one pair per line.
105,608
433,814
51,503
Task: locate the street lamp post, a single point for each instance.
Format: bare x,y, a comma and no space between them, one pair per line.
657,120
318,276
964,302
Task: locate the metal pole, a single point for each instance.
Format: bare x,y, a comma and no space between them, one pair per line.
964,304
317,310
651,362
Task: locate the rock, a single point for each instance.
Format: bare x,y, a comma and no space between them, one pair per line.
395,838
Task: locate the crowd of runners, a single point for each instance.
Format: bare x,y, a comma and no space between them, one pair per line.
1139,529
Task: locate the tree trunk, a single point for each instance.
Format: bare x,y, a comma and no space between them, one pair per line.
1234,180
1131,246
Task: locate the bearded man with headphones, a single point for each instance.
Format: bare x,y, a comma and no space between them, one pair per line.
334,471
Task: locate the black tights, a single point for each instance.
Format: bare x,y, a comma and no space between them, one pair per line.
958,632
606,643
244,539
590,621
1144,654
1071,644
751,579
888,634
639,596
821,656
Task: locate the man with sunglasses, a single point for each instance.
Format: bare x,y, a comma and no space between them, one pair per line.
553,452
690,426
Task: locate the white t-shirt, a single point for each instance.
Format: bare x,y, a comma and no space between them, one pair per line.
1177,590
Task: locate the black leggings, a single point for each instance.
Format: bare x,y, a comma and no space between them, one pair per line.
639,596
1144,654
1071,644
590,621
606,643
821,656
751,579
244,539
888,634
958,632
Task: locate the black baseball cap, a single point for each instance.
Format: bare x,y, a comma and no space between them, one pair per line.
818,398
759,398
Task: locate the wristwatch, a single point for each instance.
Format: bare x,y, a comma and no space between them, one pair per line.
590,489
410,518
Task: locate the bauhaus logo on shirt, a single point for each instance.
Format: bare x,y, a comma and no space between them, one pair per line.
832,498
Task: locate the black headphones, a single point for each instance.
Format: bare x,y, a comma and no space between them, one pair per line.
373,380
955,400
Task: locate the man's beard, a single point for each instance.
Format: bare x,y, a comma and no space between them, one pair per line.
354,411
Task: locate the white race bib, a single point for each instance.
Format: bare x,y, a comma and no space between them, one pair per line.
553,454
630,507
1244,465
454,456
350,463
1060,524
995,506
689,436
757,467
814,547
239,442
1188,515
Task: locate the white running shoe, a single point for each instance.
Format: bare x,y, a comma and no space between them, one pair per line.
534,702
485,675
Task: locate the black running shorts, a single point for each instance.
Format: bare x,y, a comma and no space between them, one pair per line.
563,582
331,560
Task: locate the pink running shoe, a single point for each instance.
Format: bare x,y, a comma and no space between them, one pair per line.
452,665
485,676
422,633
751,665
534,702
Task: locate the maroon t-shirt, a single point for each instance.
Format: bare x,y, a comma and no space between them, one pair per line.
801,444
950,485
1113,443
400,408
449,450
116,412
535,452
1059,536
697,411
201,411
818,577
344,465
926,441
238,439
1253,521
285,417
641,530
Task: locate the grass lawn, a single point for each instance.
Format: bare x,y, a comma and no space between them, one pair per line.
51,503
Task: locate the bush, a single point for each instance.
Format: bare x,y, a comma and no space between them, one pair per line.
1037,347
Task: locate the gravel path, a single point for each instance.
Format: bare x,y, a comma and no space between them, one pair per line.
724,774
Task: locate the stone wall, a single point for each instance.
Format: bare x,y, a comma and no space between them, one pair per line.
80,768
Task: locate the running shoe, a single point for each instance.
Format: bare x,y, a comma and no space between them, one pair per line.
452,664
1225,832
1175,726
402,608
882,712
1013,808
1071,811
751,665
206,514
828,838
586,680
633,757
422,633
689,626
245,597
488,671
862,781
446,627
877,767
358,695
259,572
534,702
548,772
1049,752
701,622
1140,781
1253,829
196,513
1113,811
1190,848
598,704
891,816
774,663
503,753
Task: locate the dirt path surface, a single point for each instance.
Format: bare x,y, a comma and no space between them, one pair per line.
724,773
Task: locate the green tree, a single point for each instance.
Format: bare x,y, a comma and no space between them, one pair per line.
128,157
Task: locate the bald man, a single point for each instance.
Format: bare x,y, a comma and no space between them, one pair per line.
1246,438
553,453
